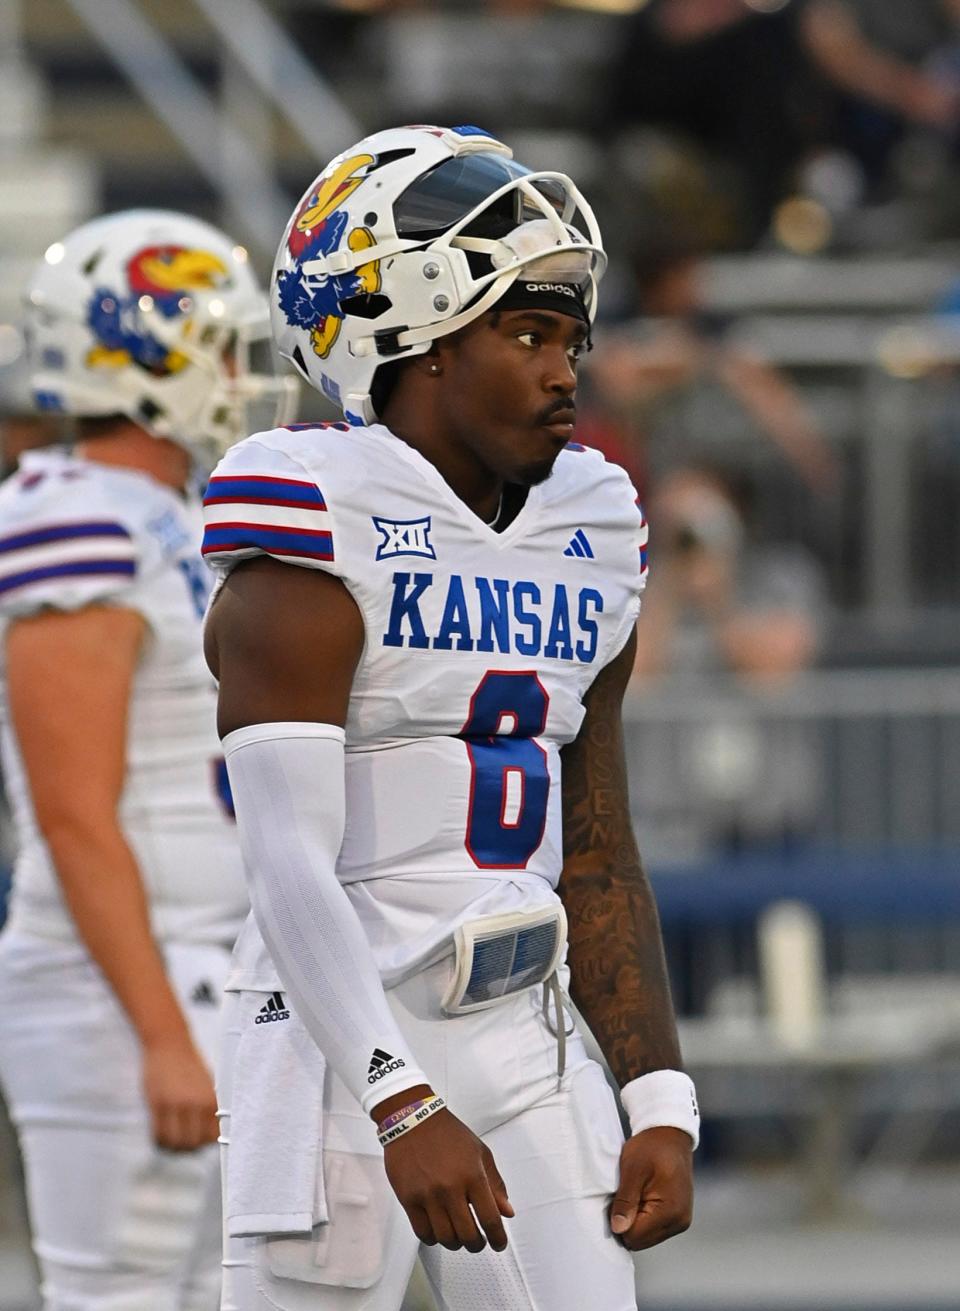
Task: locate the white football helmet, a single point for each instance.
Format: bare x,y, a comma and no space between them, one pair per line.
408,236
157,316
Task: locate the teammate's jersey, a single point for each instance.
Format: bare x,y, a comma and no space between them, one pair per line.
479,648
75,533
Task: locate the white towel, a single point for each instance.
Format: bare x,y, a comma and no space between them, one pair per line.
274,1171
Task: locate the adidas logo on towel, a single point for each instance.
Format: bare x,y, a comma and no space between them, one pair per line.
382,1063
275,1009
202,994
579,546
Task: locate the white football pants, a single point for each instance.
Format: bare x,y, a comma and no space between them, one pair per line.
556,1143
117,1224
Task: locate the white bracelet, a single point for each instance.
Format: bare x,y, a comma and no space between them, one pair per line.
663,1098
423,1112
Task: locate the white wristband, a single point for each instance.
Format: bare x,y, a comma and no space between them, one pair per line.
422,1111
663,1098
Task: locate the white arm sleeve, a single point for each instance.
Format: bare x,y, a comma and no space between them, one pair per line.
288,788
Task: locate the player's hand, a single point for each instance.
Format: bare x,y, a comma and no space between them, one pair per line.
447,1182
180,1094
654,1198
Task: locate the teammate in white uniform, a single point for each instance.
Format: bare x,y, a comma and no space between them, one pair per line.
417,620
127,891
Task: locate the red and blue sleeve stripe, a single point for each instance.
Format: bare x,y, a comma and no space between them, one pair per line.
246,512
257,489
275,540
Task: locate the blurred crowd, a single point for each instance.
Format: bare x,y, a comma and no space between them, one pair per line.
703,127
722,110
698,128
722,599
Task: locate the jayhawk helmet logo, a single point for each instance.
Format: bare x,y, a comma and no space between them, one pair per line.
313,302
161,279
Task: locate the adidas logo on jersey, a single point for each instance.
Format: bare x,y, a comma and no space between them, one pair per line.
274,1010
203,994
579,546
382,1064
561,288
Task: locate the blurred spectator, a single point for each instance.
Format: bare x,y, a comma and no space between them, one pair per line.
505,64
763,84
891,65
733,78
678,346
716,601
729,624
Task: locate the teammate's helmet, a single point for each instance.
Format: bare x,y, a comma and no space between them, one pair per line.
157,316
408,236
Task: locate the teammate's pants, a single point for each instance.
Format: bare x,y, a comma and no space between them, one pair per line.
556,1145
117,1224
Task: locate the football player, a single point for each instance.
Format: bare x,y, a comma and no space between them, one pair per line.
128,891
422,629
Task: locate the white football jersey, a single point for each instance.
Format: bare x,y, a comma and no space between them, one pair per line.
75,533
479,648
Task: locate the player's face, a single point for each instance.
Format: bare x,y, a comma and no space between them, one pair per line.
511,390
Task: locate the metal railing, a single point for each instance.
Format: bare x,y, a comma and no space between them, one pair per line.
851,759
226,140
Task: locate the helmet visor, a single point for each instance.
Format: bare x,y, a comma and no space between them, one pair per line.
438,200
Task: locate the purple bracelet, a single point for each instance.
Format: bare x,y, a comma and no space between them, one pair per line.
396,1116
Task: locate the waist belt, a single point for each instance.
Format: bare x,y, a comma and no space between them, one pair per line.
498,956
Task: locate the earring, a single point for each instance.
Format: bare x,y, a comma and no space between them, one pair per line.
434,368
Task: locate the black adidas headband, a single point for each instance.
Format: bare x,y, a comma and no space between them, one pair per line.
526,293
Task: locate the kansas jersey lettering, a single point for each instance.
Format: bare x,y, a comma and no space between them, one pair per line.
480,647
75,533
493,614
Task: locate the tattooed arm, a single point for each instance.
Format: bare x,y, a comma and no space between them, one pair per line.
618,976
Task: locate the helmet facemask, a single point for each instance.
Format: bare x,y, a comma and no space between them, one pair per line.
527,219
227,388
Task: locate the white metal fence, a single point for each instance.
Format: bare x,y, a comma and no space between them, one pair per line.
852,758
